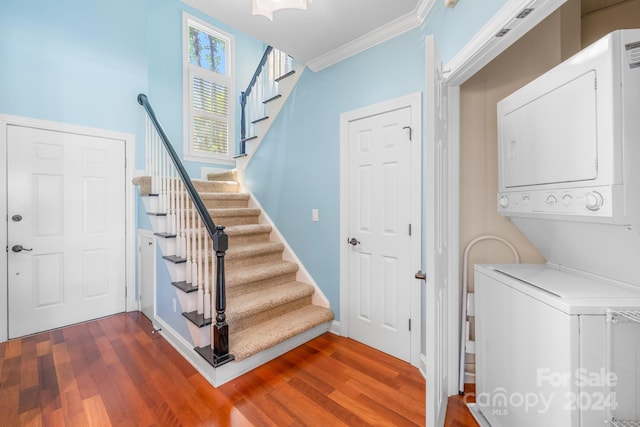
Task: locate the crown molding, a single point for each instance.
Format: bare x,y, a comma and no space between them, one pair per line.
393,29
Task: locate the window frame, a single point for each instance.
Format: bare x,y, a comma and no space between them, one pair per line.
189,71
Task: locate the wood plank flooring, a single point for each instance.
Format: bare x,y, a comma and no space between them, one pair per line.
114,372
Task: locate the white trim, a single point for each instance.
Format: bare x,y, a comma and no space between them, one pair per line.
481,49
414,101
386,32
130,237
286,86
453,115
423,365
148,234
225,373
187,72
485,46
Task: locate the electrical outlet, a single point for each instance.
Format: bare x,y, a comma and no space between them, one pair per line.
314,215
175,307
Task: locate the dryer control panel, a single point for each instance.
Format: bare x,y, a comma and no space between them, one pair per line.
594,202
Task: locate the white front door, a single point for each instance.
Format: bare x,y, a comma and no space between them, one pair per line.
382,231
66,208
437,203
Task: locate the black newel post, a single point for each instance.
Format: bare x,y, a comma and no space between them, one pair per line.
243,123
220,342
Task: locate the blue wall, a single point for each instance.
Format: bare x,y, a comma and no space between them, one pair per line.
74,61
297,166
454,27
84,63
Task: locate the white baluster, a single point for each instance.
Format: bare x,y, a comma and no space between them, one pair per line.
188,232
199,271
207,294
194,249
182,249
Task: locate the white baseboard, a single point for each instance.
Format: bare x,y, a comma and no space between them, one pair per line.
336,328
422,365
232,370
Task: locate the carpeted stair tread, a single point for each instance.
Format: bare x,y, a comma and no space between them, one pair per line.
253,340
255,302
233,212
241,230
228,175
253,249
223,196
258,272
216,186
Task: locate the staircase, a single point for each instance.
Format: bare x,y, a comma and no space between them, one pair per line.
243,294
269,309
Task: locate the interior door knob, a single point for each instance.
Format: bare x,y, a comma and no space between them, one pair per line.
19,248
354,241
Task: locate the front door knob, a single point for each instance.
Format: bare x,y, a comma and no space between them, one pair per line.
354,241
19,248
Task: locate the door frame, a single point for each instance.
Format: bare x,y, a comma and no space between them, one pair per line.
131,303
481,49
414,101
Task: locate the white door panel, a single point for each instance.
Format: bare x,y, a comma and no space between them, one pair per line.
146,273
437,236
69,191
380,270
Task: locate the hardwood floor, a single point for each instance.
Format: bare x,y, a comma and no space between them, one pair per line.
113,371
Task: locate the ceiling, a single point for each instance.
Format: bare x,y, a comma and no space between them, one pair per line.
328,31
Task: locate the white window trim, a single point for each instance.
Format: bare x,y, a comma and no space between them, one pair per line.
187,72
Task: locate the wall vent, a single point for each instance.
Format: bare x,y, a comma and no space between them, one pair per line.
524,13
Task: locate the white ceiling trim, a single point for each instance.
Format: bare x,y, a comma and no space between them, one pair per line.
485,46
373,38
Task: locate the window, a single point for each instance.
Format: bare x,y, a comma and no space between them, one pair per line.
209,109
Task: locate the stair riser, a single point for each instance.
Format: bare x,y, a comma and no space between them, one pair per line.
236,220
201,336
225,203
235,263
188,302
167,245
243,288
216,187
258,318
231,175
176,271
243,239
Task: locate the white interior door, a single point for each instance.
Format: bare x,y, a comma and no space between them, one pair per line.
66,207
380,276
146,272
437,203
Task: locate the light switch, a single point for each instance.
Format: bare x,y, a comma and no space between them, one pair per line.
314,215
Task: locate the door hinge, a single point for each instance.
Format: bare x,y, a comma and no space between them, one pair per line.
126,292
409,324
409,229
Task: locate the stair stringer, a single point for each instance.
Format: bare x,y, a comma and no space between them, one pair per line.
186,302
303,275
273,109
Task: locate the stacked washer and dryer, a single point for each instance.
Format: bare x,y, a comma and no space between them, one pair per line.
558,344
